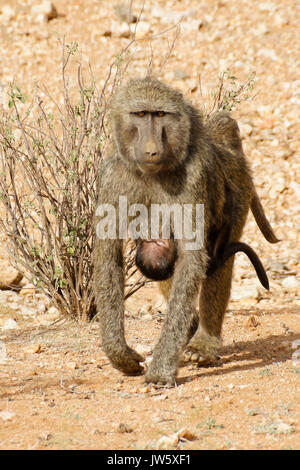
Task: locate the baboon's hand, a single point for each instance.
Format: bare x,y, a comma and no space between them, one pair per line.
127,360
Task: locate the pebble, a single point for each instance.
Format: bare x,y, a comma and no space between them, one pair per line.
268,53
124,428
124,14
28,289
184,434
120,30
244,292
7,415
245,129
142,30
296,344
9,277
3,355
43,12
10,324
266,6
291,282
190,25
143,349
34,349
7,14
71,365
252,322
296,357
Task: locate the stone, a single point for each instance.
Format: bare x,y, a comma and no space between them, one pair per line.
291,282
142,31
10,324
43,12
9,277
7,13
120,30
244,292
124,13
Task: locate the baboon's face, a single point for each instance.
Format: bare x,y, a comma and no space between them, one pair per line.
149,134
151,126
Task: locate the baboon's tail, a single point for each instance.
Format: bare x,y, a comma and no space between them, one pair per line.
261,219
231,250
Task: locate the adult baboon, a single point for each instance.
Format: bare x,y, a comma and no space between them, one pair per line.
164,153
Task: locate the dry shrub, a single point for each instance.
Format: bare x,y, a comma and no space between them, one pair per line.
49,167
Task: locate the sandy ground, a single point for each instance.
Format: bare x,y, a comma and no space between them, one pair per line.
57,389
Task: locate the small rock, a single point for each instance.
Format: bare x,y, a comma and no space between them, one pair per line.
143,29
291,282
124,13
245,129
295,344
165,442
143,349
9,277
280,20
44,12
266,6
28,289
120,30
244,292
296,358
252,322
284,346
160,398
268,53
53,311
180,74
3,355
283,428
191,25
260,29
10,324
124,428
7,415
7,13
34,349
185,433
145,389
71,365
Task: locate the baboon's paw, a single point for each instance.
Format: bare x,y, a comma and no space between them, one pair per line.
163,380
202,349
160,375
190,355
128,362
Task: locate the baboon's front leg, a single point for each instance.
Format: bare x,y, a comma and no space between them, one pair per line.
109,295
179,316
214,297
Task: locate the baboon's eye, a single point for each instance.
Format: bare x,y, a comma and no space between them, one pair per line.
141,113
160,113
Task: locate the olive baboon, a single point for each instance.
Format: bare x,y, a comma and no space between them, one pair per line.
163,152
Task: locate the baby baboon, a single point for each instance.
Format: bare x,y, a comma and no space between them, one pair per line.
164,153
156,259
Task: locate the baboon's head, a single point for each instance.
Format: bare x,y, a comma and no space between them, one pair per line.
151,125
156,258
